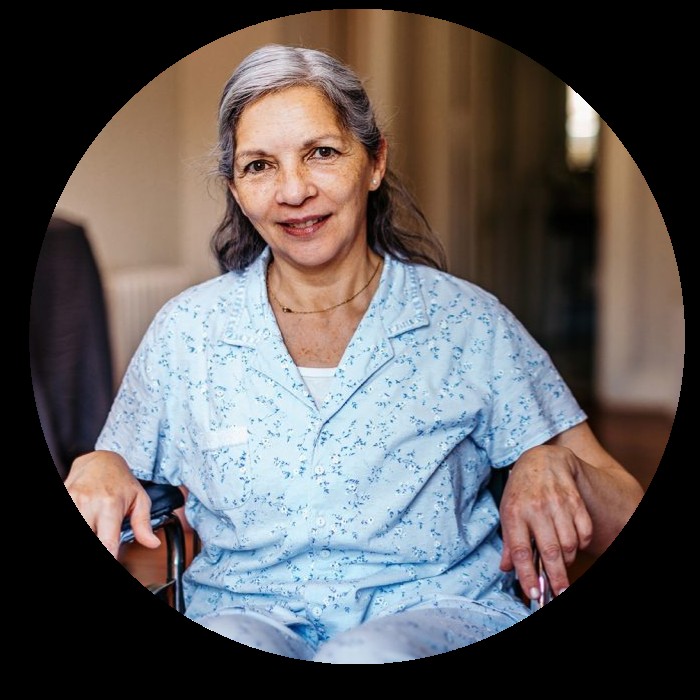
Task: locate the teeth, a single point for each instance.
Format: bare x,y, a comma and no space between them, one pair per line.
306,224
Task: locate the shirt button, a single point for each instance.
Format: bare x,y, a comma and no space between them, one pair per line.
325,553
320,521
319,469
316,611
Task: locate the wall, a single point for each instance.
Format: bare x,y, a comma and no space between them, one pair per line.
126,186
468,118
641,327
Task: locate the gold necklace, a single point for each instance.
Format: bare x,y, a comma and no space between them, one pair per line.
287,310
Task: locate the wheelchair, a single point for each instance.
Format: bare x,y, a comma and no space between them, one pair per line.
166,499
71,367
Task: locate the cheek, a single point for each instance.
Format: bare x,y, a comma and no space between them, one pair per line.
252,201
348,188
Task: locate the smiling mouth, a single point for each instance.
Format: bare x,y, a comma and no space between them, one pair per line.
304,227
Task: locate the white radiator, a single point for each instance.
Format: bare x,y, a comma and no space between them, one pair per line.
133,296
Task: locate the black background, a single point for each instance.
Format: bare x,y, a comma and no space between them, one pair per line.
625,619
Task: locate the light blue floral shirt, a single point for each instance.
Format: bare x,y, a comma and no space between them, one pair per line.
372,502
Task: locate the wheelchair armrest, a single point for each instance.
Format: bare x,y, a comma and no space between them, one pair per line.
165,499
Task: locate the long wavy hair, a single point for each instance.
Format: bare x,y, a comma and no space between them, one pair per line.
395,223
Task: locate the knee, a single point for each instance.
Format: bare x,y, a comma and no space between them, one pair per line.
258,633
365,645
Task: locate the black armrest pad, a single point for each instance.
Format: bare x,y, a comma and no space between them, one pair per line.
165,498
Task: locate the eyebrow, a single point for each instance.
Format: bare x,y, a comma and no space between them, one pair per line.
244,155
315,141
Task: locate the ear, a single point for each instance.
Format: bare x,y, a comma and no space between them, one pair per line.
379,166
233,191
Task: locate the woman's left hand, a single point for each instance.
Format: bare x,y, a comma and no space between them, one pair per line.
562,497
542,508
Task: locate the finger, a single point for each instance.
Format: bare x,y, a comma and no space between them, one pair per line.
546,542
572,534
506,559
584,527
518,554
107,527
554,564
140,520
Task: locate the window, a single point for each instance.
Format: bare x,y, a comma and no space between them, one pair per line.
582,128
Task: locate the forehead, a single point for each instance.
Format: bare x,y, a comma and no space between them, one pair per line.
284,107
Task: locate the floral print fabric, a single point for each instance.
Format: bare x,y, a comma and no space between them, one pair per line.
375,501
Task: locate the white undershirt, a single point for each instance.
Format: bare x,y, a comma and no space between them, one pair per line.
317,380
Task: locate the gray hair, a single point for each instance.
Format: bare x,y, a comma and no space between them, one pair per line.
395,223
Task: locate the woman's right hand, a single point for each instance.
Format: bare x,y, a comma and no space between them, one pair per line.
105,491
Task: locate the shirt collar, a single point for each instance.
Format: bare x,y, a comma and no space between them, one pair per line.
399,299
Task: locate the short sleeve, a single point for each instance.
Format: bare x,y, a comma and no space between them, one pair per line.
530,401
138,427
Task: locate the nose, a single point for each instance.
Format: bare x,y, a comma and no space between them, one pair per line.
294,185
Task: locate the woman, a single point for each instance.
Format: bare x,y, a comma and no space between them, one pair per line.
334,403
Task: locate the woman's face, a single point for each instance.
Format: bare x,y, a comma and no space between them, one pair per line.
301,179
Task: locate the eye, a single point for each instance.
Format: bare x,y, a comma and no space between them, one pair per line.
324,152
256,166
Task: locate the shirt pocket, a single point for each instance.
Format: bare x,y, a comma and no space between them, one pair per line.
224,477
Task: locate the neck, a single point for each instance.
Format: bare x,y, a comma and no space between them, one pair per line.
358,290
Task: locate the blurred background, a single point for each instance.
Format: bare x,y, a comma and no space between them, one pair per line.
534,196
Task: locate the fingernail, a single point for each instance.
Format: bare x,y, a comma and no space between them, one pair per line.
561,591
534,593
